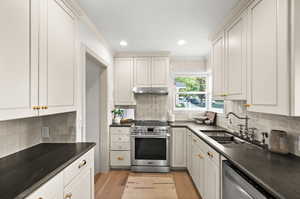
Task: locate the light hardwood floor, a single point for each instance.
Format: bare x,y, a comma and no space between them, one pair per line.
111,185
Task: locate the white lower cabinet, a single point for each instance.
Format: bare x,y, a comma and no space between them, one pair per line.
178,147
120,147
80,187
74,182
204,168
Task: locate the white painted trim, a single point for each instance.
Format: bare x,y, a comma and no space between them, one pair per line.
104,113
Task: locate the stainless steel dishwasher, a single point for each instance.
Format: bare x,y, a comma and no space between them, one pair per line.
237,185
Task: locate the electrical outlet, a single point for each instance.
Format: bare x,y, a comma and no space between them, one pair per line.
45,132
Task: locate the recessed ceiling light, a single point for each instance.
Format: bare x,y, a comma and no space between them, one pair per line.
181,42
123,43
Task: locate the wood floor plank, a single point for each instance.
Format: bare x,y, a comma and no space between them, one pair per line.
111,185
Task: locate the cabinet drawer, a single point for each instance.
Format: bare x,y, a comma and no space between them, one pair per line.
119,138
51,189
120,158
82,163
120,130
121,146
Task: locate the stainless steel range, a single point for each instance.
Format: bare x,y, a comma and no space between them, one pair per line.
150,144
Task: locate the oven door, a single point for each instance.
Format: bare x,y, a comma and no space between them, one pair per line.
150,150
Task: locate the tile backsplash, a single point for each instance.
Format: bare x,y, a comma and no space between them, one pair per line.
16,135
264,123
151,107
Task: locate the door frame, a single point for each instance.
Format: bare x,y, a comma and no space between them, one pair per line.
104,107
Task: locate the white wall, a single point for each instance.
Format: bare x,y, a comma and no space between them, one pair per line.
93,71
190,65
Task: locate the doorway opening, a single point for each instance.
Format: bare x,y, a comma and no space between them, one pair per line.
95,107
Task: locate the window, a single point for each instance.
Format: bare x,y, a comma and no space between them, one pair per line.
193,92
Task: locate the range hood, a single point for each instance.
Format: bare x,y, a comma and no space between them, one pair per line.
151,90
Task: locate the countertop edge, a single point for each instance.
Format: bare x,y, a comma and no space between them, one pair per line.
211,143
45,179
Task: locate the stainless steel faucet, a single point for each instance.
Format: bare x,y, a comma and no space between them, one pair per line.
246,118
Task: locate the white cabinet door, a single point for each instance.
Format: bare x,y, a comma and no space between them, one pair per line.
268,75
235,59
160,72
142,71
178,147
57,58
212,180
198,166
80,187
217,64
124,81
18,58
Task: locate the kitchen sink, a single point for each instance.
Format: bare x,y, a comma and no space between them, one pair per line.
223,137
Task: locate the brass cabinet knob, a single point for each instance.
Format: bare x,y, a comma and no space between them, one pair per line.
38,107
82,164
68,196
200,156
120,158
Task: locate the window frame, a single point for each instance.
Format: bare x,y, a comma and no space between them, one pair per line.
206,92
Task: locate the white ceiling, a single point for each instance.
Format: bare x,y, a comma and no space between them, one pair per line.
157,25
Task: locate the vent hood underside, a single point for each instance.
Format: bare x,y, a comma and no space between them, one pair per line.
151,90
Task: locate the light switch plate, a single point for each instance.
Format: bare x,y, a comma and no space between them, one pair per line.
45,132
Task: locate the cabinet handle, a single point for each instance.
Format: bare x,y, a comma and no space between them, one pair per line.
44,107
68,196
210,154
247,105
200,156
120,158
82,164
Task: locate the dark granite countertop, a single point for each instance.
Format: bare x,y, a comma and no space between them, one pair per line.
277,174
25,171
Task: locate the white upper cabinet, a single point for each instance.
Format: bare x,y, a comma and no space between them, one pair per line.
57,61
160,72
18,65
142,71
124,81
37,58
235,59
268,59
217,64
151,71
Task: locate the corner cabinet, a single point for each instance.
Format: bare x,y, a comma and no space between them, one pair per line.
37,70
124,81
268,60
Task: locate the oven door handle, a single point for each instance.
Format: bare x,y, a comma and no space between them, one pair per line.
151,136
